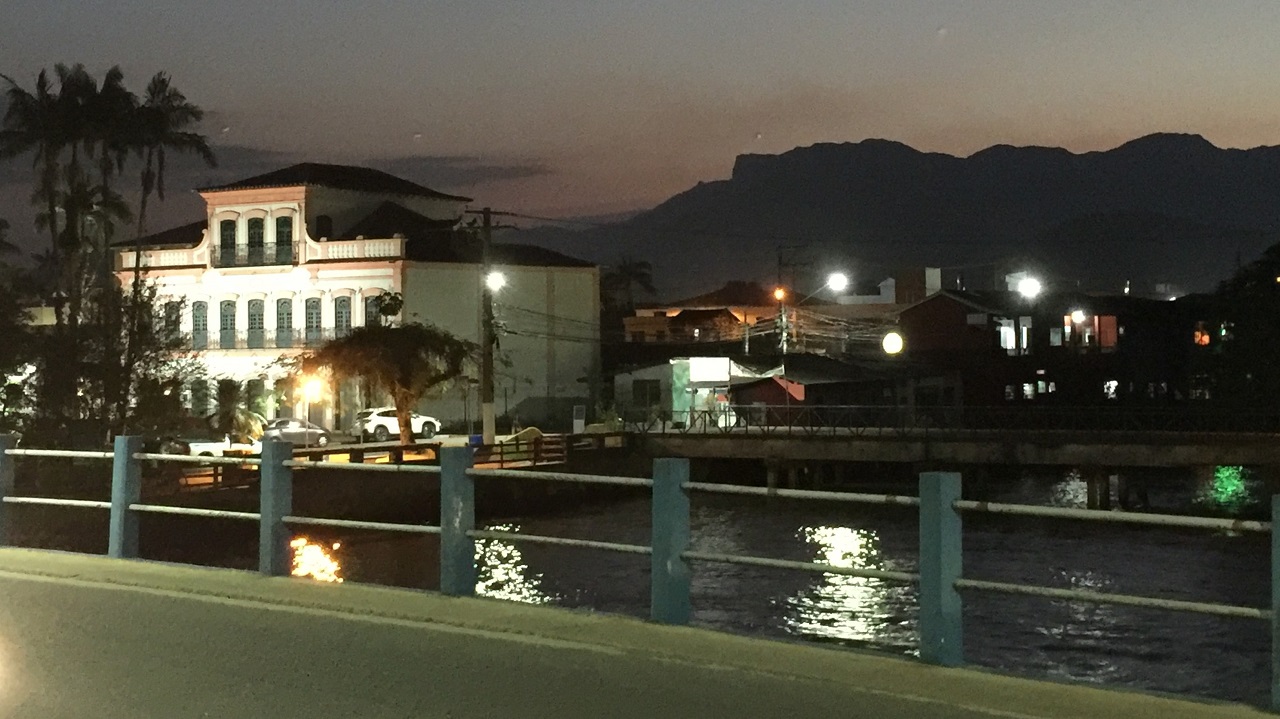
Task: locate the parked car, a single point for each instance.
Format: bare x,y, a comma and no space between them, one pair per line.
300,432
381,424
209,444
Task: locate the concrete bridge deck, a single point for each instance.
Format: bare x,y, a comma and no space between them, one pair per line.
87,636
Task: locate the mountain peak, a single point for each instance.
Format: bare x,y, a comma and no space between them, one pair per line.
1168,142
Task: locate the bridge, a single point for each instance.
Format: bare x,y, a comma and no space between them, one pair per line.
88,636
121,637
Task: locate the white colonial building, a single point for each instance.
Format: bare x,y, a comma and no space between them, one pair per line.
285,261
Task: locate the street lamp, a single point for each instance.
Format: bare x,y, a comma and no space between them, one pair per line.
837,281
495,281
1029,287
1077,316
892,343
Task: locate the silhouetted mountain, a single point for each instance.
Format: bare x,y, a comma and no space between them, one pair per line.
1165,208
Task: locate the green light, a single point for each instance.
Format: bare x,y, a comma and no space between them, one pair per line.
1229,486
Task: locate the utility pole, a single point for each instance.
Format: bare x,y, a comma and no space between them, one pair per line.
488,420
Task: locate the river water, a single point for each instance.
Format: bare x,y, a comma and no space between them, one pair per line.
1116,646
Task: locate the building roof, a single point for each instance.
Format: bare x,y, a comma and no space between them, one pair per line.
702,317
339,177
188,235
734,294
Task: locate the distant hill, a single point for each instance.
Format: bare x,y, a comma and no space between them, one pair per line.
1165,208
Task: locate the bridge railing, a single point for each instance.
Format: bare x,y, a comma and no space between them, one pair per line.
940,578
802,419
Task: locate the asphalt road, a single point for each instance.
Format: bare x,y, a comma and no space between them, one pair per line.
71,646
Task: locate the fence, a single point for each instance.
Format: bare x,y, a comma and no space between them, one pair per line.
940,506
878,419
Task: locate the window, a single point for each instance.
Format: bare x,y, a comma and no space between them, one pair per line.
372,311
1108,335
284,240
342,316
257,240
227,325
227,242
1008,340
199,325
284,323
1109,389
256,319
1055,336
646,393
324,226
311,311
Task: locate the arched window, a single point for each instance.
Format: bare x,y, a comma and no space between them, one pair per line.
372,311
311,310
284,323
324,226
199,325
342,316
227,243
257,240
284,240
227,325
256,309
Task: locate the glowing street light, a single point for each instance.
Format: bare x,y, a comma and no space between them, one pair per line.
892,343
1078,316
1029,287
837,281
312,389
495,281
779,294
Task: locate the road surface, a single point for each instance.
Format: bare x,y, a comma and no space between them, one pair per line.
90,637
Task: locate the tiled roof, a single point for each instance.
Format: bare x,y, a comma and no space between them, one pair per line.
188,235
734,294
340,177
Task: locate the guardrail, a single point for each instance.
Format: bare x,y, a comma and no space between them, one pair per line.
811,420
940,507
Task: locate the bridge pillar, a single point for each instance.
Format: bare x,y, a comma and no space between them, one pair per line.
1131,489
7,442
457,518
771,475
126,489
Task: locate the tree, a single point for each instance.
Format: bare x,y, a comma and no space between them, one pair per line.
1243,354
233,416
619,284
406,362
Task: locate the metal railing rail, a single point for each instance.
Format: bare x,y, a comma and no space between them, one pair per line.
879,420
939,579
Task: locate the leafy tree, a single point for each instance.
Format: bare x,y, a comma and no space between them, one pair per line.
1247,306
233,416
406,362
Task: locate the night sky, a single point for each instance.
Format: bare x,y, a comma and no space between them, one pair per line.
589,108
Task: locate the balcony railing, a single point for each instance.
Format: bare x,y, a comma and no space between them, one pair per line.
255,256
263,339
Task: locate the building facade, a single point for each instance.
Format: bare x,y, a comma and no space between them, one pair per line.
286,261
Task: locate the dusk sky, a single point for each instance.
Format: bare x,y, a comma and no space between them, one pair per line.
580,108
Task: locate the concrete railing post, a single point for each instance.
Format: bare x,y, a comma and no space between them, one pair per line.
669,601
457,518
275,488
941,629
7,442
1275,603
126,490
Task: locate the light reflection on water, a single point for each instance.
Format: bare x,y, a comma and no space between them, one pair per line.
314,560
502,573
851,609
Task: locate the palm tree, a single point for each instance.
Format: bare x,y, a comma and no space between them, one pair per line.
165,119
33,123
405,361
629,273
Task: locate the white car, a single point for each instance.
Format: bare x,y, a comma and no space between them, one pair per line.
380,423
213,447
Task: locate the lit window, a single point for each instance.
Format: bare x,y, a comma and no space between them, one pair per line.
1110,388
1028,391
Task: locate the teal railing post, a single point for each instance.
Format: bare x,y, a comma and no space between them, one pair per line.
457,518
669,573
1275,602
275,502
126,489
7,442
941,630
